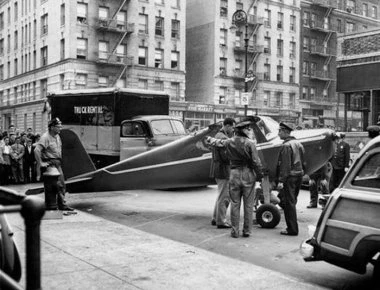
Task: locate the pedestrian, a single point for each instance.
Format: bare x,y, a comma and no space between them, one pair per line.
5,151
318,180
340,160
289,176
18,151
48,153
245,170
220,170
29,162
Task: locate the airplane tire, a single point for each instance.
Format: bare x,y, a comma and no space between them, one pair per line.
268,216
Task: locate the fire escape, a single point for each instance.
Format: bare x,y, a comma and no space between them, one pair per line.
324,26
118,29
254,50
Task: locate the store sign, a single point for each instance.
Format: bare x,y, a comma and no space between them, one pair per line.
200,108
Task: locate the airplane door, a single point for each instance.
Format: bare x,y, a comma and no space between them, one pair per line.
133,139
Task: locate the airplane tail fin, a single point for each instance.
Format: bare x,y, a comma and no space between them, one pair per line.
75,160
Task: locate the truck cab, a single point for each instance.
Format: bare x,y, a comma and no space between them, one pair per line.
143,133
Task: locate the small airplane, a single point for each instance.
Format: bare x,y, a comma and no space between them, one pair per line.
184,162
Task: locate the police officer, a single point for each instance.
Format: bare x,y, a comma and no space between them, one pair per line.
245,170
289,174
340,160
48,152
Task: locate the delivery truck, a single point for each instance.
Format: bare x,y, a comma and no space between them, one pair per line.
116,123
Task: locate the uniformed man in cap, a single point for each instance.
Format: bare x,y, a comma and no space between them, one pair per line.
245,170
289,175
340,160
48,153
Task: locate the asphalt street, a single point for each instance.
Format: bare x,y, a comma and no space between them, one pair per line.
185,215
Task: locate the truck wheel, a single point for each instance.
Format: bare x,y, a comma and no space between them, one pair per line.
268,216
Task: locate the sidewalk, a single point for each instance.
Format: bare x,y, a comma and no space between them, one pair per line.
83,251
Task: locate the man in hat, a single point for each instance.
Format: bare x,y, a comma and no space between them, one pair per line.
245,170
220,170
290,172
48,153
340,160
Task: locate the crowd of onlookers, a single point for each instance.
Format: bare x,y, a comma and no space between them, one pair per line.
17,161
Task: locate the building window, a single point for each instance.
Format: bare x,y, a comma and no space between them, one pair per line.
16,11
238,66
62,45
305,68
222,95
175,28
280,20
44,24
313,44
175,87
267,44
158,58
175,60
159,85
365,9
159,2
121,83
159,26
43,89
280,47
374,12
223,66
304,93
1,21
34,29
121,20
16,40
292,23
306,43
280,73
312,93
223,37
292,75
306,19
350,6
267,17
223,8
267,71
81,81
313,69
103,13
143,23
44,56
63,15
266,98
350,27
103,50
339,25
1,46
102,81
143,52
1,72
82,48
292,49
82,13
143,84
278,101
292,100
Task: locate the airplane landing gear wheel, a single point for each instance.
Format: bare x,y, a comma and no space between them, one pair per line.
268,216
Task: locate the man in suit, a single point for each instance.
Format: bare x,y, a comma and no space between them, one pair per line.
17,154
29,162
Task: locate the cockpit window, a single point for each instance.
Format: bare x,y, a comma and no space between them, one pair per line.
268,127
369,174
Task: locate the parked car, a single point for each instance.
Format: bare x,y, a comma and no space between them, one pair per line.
348,231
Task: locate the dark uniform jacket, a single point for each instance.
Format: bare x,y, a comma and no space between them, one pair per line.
341,158
290,162
220,166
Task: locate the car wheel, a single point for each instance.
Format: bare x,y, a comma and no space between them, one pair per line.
376,271
268,216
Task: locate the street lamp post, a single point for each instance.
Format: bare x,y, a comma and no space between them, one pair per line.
240,17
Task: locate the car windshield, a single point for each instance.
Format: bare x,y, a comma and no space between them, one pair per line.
369,174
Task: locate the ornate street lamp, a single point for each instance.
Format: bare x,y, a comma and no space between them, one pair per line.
240,18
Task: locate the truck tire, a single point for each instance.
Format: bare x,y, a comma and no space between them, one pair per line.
268,216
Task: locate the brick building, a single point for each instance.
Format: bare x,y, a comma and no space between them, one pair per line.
53,45
359,79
